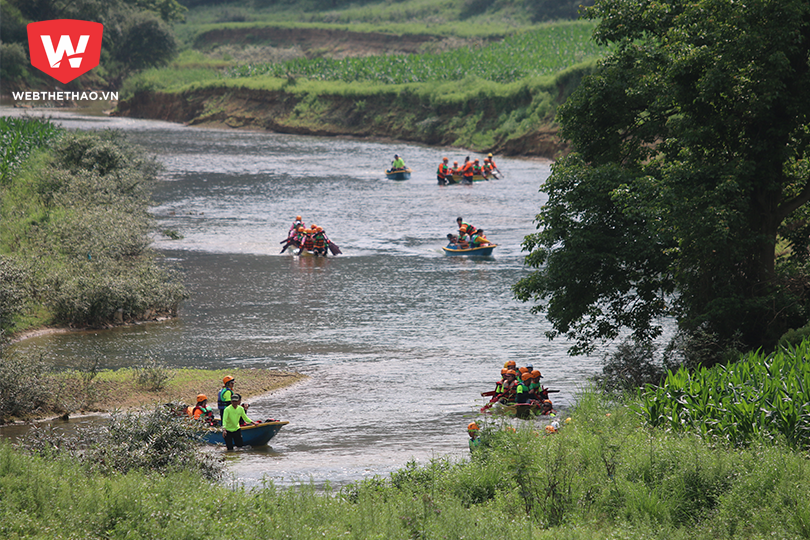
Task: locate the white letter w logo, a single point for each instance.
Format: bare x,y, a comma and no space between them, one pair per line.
65,47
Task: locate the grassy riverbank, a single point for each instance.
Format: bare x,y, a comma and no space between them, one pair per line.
74,246
45,394
604,475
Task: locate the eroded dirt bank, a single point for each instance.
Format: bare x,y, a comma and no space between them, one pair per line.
395,115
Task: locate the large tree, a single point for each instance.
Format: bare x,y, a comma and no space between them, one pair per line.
690,166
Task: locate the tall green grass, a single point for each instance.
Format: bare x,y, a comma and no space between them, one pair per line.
759,396
19,137
544,51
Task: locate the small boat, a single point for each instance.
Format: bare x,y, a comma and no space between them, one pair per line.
255,435
481,251
399,174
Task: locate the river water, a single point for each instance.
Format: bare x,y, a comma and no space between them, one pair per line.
398,339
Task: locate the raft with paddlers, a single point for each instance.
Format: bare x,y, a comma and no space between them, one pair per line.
312,240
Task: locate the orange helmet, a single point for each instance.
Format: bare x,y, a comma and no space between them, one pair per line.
455,163
536,374
227,378
472,426
511,372
298,218
503,371
300,228
523,369
463,228
525,375
444,159
201,397
511,363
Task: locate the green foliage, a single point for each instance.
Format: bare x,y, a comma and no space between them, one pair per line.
22,387
759,397
13,61
81,213
158,442
631,366
525,54
21,136
691,148
152,375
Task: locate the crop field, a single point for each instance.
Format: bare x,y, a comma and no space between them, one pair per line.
539,52
757,397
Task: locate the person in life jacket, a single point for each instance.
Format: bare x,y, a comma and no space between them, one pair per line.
308,243
547,408
476,168
202,411
319,242
509,387
443,173
479,240
492,166
522,388
467,171
292,235
456,172
225,393
536,390
398,164
468,229
472,431
463,242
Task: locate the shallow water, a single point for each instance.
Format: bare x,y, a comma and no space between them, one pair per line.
398,339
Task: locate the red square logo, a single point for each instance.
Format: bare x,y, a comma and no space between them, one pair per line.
65,48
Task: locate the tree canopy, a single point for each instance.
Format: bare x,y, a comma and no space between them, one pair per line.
686,192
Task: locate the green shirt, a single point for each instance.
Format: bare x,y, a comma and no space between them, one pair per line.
231,416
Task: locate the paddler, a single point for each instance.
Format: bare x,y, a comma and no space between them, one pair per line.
467,171
319,242
308,243
456,171
479,240
398,164
292,235
522,388
492,165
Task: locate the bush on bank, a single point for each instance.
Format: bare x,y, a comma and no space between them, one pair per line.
75,236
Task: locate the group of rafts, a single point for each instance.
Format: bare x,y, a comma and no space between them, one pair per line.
520,393
310,240
467,173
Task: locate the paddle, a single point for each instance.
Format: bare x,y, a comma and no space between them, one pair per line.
334,248
490,393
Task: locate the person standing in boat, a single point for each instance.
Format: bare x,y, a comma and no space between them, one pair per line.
231,428
398,164
444,174
225,393
468,229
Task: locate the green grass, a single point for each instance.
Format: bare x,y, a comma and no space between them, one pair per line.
603,475
544,51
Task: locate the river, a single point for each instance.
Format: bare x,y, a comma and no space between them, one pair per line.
398,339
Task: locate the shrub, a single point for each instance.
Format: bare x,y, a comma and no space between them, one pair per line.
23,388
157,441
152,375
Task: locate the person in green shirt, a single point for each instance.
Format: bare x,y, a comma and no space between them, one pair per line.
231,429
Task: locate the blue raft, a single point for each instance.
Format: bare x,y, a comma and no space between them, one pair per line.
255,435
482,251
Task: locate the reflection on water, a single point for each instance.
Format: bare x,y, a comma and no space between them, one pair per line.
399,340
